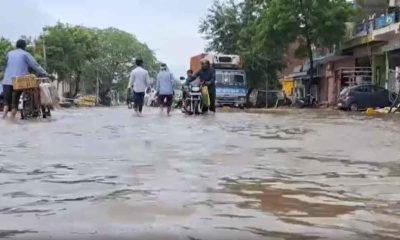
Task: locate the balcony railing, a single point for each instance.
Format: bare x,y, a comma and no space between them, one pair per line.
363,29
355,75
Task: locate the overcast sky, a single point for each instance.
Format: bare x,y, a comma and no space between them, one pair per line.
169,27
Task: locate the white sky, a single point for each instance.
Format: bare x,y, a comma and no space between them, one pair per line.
169,27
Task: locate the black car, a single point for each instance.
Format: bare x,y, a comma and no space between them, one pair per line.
364,96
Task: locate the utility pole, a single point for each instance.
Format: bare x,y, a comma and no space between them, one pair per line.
97,88
44,52
266,90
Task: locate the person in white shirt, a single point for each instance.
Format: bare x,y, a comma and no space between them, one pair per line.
138,83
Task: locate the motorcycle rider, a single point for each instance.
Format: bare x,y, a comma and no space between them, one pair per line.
18,63
186,88
207,77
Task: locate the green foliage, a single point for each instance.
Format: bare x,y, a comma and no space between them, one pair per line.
118,51
233,28
222,26
5,46
82,55
68,50
262,30
323,21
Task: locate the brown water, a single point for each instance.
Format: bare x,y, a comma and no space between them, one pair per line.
103,174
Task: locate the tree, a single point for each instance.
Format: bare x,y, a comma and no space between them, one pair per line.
68,49
5,47
313,24
232,27
262,30
221,26
118,51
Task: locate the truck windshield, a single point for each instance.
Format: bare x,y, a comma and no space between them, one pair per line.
230,79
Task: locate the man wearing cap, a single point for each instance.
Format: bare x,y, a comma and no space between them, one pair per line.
165,88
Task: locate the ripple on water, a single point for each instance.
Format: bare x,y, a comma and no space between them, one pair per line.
290,202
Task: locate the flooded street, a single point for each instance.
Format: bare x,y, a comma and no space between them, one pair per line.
104,174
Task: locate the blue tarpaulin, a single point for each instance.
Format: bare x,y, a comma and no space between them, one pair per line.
231,90
385,20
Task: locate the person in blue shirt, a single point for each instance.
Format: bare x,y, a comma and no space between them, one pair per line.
165,88
18,63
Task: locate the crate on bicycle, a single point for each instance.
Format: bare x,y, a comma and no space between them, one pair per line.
25,82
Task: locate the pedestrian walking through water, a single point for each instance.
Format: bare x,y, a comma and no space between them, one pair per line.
165,88
138,82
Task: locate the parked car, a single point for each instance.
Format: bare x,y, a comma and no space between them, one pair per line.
361,97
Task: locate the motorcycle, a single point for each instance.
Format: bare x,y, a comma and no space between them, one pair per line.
310,101
194,101
178,99
30,104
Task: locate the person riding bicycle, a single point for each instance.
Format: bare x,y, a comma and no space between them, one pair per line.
18,63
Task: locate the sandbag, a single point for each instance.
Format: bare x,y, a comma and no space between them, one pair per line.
45,95
205,96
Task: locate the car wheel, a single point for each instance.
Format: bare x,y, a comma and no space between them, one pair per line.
354,107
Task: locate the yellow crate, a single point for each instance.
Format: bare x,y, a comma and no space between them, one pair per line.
25,82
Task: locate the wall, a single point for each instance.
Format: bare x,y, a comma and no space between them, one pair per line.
62,87
346,62
331,83
379,70
291,61
370,7
324,84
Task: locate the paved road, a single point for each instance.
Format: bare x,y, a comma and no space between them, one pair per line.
104,174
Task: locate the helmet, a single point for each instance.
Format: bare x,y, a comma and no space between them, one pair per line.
205,64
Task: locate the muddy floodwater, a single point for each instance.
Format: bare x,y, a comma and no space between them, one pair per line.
104,174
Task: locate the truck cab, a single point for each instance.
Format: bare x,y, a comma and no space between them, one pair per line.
230,77
230,87
230,80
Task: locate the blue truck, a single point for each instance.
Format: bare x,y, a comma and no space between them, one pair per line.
230,80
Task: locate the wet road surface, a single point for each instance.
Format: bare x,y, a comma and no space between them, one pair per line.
104,174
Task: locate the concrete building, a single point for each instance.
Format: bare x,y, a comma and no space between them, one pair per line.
371,7
370,55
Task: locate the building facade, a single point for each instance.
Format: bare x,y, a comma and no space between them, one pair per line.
370,55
